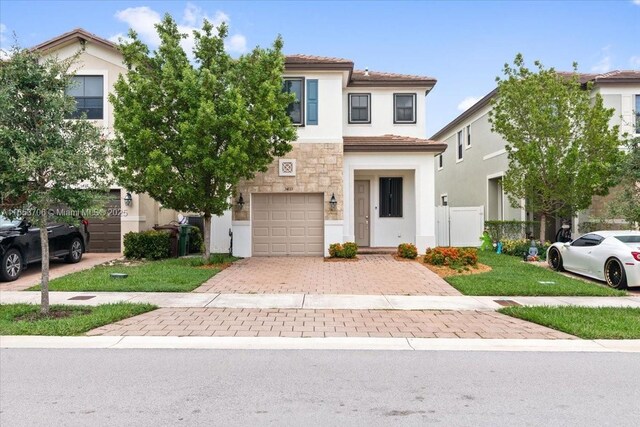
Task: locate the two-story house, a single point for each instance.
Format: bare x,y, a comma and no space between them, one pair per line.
96,71
360,169
470,172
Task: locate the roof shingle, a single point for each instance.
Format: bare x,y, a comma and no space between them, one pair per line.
390,142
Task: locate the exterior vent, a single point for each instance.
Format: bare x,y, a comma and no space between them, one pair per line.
287,167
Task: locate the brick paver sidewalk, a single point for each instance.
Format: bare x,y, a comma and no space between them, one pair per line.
327,323
370,275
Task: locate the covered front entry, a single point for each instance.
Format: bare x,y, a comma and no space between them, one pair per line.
287,224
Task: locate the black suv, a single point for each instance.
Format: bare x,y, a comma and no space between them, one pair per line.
20,245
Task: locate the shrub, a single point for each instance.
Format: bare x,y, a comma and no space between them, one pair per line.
407,250
149,244
195,240
521,246
499,230
451,257
346,250
350,250
335,250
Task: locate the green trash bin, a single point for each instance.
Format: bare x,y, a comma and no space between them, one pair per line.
183,242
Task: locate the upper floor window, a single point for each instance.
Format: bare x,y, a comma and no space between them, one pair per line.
404,105
359,108
468,136
440,161
637,113
295,110
88,92
459,151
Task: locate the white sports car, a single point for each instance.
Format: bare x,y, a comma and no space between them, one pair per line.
611,256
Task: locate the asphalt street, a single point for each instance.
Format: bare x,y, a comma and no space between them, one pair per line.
99,387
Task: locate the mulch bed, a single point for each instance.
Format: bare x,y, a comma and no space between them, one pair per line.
215,266
329,259
444,271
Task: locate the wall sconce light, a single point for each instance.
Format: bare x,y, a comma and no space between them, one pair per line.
240,202
333,203
128,200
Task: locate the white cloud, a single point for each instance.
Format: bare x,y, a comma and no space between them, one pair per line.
236,43
4,53
635,60
467,102
604,64
636,2
143,20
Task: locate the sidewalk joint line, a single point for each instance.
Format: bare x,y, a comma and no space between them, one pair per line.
116,343
409,343
304,297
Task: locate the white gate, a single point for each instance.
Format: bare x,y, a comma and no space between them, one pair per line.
459,226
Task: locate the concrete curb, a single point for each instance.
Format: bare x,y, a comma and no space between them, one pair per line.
314,301
279,343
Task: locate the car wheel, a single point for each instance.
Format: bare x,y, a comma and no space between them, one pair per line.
614,274
11,265
555,259
75,251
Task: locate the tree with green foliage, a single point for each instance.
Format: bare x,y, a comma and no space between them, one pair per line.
187,131
561,148
627,204
46,160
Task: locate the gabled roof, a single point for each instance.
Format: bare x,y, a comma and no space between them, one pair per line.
388,142
377,78
616,76
357,78
79,34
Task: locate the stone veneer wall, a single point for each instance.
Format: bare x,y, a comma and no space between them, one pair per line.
318,170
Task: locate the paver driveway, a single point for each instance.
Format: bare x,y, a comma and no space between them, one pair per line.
251,322
370,275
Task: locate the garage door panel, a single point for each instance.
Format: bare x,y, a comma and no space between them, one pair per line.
288,224
105,232
279,215
315,231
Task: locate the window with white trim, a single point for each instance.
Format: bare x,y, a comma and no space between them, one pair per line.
440,161
468,136
637,113
459,151
88,91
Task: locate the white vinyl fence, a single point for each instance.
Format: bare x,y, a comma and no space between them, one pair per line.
459,226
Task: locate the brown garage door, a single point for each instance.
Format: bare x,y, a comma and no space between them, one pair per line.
105,232
287,224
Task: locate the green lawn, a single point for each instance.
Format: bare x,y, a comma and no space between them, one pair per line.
169,275
24,319
511,276
584,322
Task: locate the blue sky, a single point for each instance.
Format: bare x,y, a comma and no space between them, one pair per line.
462,43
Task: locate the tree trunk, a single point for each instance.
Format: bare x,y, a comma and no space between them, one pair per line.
44,282
543,227
207,236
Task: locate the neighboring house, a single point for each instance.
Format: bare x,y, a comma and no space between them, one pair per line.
470,172
97,70
360,169
360,144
